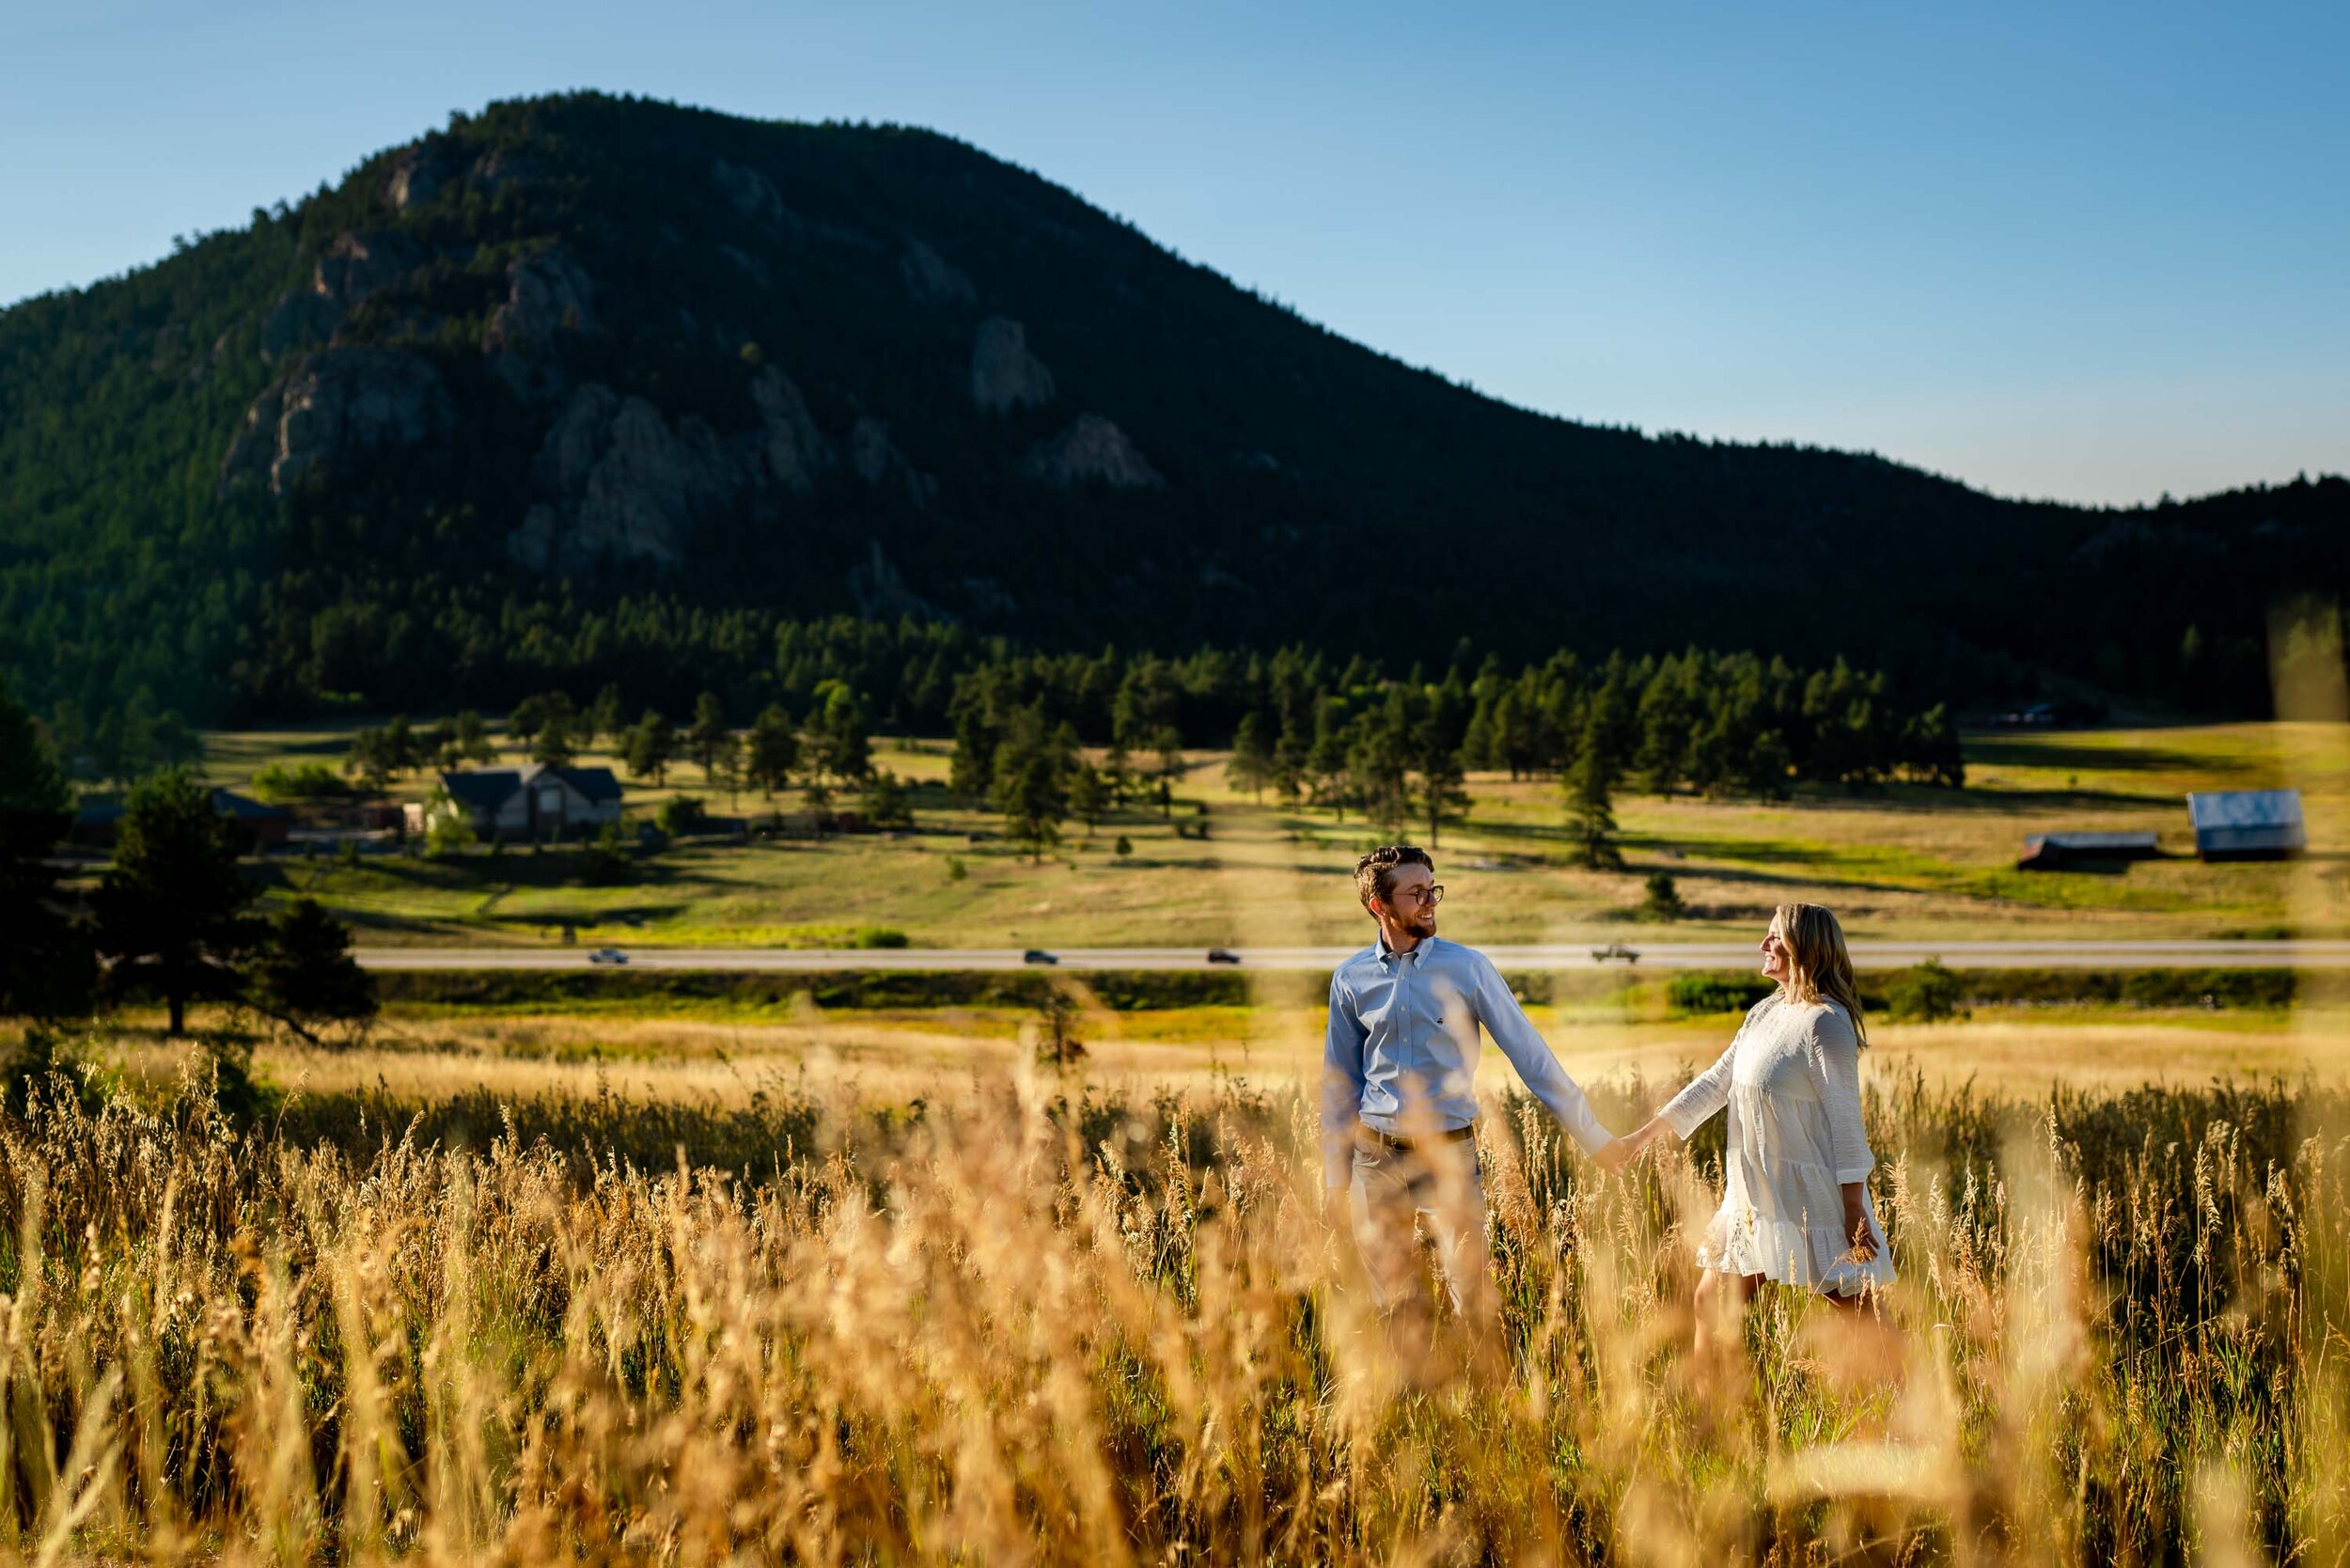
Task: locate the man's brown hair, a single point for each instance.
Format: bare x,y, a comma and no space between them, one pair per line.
1374,873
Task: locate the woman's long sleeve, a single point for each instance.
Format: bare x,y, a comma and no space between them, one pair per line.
1708,1092
1832,1050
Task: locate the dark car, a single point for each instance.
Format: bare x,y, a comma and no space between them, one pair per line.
1038,955
607,955
1614,952
1222,955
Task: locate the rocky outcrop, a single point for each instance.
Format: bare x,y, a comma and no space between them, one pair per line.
300,319
621,484
932,280
752,193
546,296
416,175
790,449
353,267
357,265
876,459
1004,374
494,170
331,410
1091,450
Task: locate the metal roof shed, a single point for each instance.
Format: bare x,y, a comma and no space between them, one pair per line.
2248,824
2049,852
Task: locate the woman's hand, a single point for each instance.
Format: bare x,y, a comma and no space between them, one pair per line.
1863,1242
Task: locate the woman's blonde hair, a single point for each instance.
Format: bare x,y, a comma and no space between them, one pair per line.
1819,968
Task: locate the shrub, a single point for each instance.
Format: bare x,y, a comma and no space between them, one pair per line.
1924,993
1703,994
880,936
299,781
682,814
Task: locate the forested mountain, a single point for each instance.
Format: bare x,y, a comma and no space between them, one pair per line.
584,389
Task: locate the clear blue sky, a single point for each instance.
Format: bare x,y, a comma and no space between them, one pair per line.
2095,253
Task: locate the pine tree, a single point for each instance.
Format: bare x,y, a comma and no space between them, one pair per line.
846,750
885,803
1290,757
553,747
47,968
1031,783
775,751
606,717
471,741
1168,741
305,974
1089,796
707,733
1251,767
651,747
1590,815
174,912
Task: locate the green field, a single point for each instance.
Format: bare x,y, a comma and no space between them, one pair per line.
1905,862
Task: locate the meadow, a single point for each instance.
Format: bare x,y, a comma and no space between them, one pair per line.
1036,1317
850,1268
1904,862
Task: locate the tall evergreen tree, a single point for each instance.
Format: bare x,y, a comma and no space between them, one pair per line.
175,912
1031,784
1591,811
304,976
845,747
553,747
651,746
707,733
775,750
1251,767
47,968
606,717
1089,796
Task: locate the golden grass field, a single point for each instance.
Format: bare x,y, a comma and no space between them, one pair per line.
900,1055
645,1278
1909,862
1043,1320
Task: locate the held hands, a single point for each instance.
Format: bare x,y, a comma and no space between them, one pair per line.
1630,1147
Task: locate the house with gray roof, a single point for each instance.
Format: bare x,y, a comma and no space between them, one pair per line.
532,803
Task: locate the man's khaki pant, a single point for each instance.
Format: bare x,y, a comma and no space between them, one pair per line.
1437,1179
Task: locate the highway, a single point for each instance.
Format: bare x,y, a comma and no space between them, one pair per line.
1564,955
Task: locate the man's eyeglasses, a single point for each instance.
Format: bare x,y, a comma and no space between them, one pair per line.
1431,895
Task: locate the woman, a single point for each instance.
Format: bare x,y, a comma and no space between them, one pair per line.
1796,1197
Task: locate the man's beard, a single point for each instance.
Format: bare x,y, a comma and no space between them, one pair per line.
1423,925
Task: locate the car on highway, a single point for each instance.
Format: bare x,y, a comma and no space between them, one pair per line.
1222,955
1038,955
1614,952
607,955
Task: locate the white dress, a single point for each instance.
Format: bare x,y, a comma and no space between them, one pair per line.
1792,1082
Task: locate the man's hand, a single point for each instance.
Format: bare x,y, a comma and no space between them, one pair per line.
1338,1209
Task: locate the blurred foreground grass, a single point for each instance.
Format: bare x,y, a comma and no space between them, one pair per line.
1039,1321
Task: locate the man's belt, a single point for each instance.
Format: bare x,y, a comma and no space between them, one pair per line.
1388,1143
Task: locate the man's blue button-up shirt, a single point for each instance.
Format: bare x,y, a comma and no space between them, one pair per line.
1402,1055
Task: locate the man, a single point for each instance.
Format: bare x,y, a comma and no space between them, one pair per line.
1399,1110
